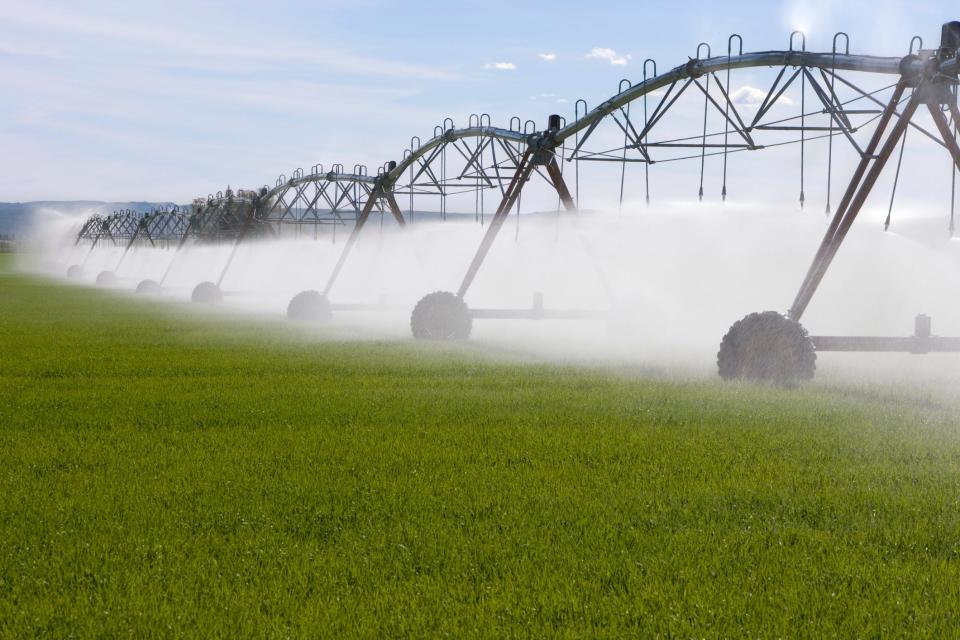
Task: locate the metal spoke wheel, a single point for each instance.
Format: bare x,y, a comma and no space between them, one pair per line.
106,279
207,293
767,347
441,315
309,306
148,287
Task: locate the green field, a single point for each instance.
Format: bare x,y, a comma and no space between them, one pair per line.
169,473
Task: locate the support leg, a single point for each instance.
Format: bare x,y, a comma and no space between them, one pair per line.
394,208
126,249
556,177
236,245
183,241
948,137
524,168
853,199
375,195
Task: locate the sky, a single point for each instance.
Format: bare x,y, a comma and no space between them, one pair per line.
167,101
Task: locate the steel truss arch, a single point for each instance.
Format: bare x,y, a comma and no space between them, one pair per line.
504,159
316,198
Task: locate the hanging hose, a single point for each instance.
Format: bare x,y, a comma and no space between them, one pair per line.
626,139
526,130
646,165
576,161
480,163
563,154
443,170
803,112
833,105
726,111
706,103
896,180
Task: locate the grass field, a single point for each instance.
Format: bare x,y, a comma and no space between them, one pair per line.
168,473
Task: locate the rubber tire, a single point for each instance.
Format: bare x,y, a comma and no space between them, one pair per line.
75,272
767,347
309,306
207,293
106,279
441,315
149,288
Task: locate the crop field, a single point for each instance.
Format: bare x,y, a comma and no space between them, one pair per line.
166,472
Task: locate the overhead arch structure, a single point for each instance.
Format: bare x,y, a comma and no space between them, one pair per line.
160,227
641,125
873,122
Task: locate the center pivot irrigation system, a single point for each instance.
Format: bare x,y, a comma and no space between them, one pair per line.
917,92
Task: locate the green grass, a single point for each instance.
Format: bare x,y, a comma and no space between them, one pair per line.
164,473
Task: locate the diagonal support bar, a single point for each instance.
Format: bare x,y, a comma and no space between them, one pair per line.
556,178
352,240
194,220
524,168
949,138
247,223
855,196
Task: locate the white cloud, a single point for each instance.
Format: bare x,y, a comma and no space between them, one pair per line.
500,66
547,57
752,97
204,51
608,54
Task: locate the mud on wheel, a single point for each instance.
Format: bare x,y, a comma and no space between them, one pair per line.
769,347
441,315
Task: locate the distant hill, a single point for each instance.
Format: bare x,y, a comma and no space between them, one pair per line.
16,217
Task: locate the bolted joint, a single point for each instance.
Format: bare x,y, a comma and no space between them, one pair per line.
693,68
383,182
383,179
542,146
910,70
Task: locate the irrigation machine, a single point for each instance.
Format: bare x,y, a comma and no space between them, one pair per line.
854,104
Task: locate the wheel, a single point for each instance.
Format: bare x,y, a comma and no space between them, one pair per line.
148,287
106,279
441,315
75,272
207,293
769,347
309,306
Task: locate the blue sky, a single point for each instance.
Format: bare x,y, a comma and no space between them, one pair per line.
172,100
